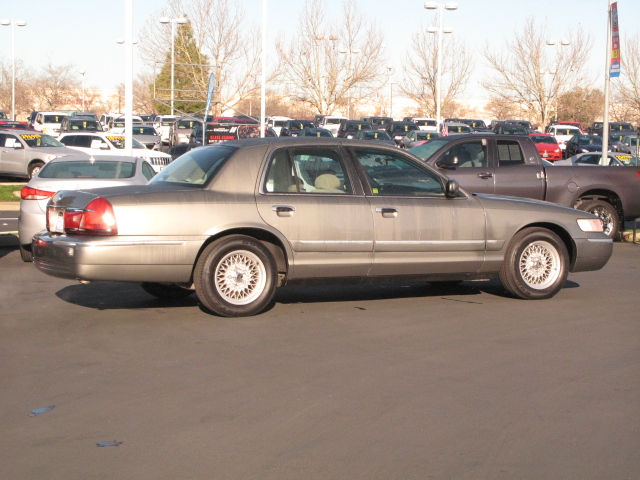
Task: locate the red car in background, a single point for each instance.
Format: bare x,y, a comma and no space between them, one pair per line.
547,145
12,124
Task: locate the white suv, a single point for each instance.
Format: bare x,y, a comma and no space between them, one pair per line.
48,122
162,124
100,143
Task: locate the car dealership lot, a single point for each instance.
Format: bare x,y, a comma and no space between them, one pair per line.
332,382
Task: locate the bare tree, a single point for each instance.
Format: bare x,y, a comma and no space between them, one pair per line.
55,86
627,88
221,35
329,62
24,101
532,75
421,73
500,108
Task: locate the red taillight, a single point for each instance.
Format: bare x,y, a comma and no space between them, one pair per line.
638,173
97,218
30,193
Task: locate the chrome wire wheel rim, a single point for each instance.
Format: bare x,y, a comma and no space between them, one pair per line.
605,217
240,277
540,265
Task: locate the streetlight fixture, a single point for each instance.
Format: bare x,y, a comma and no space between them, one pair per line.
82,72
13,23
439,31
173,22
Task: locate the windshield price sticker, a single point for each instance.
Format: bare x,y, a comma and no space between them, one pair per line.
30,136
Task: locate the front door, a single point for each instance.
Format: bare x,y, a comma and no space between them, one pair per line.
11,158
309,195
418,230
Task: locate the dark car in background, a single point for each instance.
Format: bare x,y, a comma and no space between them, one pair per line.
80,124
315,132
292,128
583,144
378,122
397,130
376,136
349,128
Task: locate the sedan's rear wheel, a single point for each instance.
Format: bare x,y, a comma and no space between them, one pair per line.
236,276
536,264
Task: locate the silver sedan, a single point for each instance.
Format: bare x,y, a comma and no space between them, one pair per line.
234,221
73,172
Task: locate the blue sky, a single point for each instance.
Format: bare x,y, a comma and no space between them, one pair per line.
83,32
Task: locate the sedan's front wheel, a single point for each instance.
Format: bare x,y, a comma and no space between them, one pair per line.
536,264
235,276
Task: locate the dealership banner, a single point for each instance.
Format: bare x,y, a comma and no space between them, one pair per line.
614,68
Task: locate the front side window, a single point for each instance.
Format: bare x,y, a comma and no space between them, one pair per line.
389,174
307,170
470,154
509,153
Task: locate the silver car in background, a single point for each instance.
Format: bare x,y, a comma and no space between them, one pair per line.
234,221
74,172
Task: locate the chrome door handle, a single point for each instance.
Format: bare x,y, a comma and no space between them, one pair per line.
283,210
387,212
485,175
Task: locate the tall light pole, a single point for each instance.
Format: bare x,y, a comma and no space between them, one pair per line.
82,72
13,23
350,51
558,44
173,22
390,70
439,31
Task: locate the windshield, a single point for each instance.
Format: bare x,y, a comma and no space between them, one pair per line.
425,150
118,142
589,140
83,169
195,168
566,131
53,118
187,123
40,140
144,131
620,126
426,123
85,125
331,121
543,139
375,135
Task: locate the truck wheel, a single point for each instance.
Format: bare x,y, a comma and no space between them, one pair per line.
166,291
236,276
606,212
34,168
535,265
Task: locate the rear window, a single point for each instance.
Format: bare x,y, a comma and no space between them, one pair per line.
86,169
195,168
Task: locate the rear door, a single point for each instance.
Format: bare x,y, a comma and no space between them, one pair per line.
313,198
518,171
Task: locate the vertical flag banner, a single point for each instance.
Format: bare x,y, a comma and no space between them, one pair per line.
206,110
614,68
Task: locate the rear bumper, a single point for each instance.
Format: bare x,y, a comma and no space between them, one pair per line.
139,259
592,253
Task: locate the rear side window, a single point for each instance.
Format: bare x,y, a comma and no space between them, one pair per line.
509,153
195,168
307,170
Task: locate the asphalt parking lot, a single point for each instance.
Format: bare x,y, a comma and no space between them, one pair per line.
384,382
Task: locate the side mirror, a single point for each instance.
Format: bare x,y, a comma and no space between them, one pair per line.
448,161
452,188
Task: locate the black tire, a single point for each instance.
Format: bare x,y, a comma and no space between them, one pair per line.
535,266
606,212
26,254
34,168
166,291
236,276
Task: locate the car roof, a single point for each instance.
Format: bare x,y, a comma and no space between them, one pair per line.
27,132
